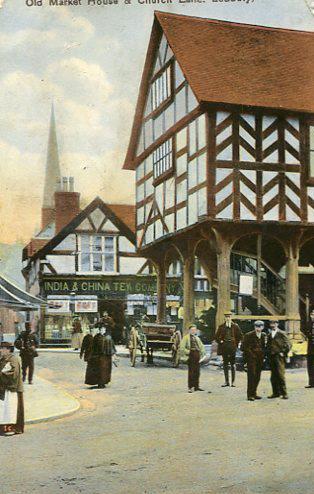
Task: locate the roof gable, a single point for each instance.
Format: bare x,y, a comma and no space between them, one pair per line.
272,68
121,216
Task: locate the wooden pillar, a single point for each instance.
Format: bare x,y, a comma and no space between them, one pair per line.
259,272
292,292
161,292
188,291
223,278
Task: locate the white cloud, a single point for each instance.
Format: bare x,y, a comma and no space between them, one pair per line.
21,192
81,80
70,23
100,175
13,41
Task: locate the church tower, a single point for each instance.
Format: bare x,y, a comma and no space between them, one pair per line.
52,174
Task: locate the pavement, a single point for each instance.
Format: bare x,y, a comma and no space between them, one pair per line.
44,401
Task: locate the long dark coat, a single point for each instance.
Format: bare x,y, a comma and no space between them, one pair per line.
99,364
253,347
86,348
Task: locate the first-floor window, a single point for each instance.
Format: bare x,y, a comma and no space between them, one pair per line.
96,253
162,159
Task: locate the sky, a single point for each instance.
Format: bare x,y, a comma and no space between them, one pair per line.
88,60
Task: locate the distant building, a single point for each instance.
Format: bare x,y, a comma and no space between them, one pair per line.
223,147
84,262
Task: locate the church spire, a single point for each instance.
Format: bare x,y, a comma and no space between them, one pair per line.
53,174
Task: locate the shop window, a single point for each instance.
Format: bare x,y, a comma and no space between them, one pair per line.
162,159
96,253
201,285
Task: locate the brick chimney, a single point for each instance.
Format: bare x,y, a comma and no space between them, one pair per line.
47,216
67,203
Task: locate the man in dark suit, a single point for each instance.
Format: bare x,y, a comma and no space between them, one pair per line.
277,348
27,343
228,337
308,331
253,346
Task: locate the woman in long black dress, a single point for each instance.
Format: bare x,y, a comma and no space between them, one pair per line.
99,365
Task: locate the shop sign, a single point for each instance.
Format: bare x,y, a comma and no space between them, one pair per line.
86,306
57,306
246,282
109,286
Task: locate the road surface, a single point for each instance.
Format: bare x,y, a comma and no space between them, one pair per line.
146,435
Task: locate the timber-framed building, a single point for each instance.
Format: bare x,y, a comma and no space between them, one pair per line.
223,147
83,262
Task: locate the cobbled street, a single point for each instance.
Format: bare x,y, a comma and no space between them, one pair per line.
146,435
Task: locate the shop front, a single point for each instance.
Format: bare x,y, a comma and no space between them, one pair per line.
127,299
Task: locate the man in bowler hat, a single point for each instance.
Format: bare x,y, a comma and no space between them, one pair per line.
228,337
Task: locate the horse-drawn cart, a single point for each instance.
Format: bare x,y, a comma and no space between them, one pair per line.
158,337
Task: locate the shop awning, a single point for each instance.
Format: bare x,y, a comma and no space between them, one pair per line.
13,297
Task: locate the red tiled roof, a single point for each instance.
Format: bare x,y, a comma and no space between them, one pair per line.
243,64
126,213
34,245
231,63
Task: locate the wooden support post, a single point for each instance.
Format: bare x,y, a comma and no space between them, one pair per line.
161,292
188,292
259,272
292,292
307,307
223,278
42,322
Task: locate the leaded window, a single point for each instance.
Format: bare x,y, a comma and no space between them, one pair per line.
96,253
161,88
162,159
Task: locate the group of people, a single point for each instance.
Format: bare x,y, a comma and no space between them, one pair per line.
255,344
98,351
